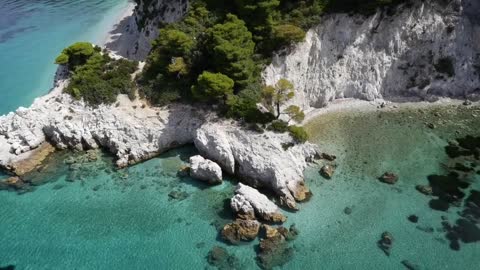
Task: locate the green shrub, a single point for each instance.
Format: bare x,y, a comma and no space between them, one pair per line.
76,54
287,34
279,126
212,86
95,77
298,134
244,106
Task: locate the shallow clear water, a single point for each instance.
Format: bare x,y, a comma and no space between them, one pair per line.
125,219
32,33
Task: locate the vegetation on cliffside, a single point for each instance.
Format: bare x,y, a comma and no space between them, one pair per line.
95,76
233,39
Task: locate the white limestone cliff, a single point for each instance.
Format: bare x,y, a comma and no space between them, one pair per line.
386,57
132,37
134,132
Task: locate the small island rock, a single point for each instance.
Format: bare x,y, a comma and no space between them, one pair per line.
389,178
327,171
205,170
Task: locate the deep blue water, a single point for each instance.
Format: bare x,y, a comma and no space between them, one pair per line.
33,32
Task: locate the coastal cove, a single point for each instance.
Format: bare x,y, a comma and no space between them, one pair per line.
245,135
159,219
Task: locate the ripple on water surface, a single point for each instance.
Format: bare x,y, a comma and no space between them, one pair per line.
91,216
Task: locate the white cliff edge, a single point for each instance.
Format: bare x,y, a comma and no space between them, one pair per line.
425,51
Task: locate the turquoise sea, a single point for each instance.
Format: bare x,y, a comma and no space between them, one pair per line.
88,215
32,33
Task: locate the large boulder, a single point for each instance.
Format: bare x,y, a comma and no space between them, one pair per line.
263,207
241,230
205,170
241,207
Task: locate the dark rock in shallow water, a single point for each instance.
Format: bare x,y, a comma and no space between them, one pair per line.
389,178
413,218
240,230
426,229
439,205
15,183
177,195
347,210
427,190
221,259
385,243
8,267
273,248
328,157
327,171
448,188
410,266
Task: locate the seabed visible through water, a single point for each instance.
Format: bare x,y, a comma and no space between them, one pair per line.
88,215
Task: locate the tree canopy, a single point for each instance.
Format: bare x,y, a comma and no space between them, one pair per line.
76,54
212,86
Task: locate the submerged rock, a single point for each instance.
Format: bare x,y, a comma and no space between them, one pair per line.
263,207
385,243
424,189
413,218
16,184
273,248
240,230
205,170
426,229
389,178
178,195
410,266
328,157
183,171
327,171
347,210
221,259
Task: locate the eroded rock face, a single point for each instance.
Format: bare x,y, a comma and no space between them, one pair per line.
263,207
428,50
140,27
133,132
205,170
242,208
259,159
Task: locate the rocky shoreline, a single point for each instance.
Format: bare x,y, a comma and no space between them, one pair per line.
133,132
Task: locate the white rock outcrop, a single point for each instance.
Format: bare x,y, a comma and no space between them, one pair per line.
263,207
241,207
427,50
258,158
134,132
205,170
132,37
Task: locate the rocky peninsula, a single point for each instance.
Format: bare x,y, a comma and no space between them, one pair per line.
424,52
